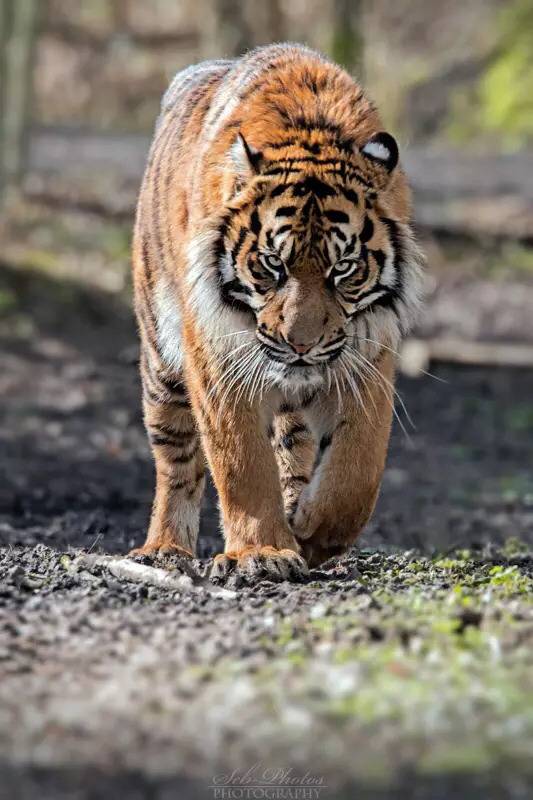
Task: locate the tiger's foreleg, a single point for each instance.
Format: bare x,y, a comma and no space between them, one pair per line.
258,540
353,442
179,460
295,449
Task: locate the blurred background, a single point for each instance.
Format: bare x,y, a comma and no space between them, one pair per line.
416,654
81,86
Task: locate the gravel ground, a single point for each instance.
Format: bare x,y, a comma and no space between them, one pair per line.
402,670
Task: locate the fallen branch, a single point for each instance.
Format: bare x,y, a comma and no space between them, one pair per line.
127,570
417,354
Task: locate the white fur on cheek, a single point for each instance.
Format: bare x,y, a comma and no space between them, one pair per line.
202,296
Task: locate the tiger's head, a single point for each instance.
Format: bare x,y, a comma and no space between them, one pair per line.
310,251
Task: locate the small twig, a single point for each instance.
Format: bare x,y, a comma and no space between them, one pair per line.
96,540
127,570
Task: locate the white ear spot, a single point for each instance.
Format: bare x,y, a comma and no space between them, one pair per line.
377,150
382,147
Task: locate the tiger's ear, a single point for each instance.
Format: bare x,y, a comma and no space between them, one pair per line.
380,153
246,159
244,164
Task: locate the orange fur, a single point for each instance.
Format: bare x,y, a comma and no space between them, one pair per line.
274,269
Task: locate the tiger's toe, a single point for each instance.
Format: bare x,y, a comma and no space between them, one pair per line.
255,564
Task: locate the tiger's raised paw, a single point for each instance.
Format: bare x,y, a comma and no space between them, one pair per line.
259,563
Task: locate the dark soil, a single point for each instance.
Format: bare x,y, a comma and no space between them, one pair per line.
380,673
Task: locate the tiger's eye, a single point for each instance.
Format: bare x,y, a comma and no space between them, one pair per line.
273,261
343,266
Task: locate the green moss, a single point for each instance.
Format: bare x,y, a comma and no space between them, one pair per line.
515,487
434,657
8,301
461,757
520,418
514,547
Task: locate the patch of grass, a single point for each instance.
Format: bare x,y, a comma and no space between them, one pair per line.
435,654
516,487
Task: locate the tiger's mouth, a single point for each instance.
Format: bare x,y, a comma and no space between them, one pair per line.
298,362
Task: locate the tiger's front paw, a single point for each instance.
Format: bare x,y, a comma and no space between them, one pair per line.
162,542
165,549
316,552
320,536
260,563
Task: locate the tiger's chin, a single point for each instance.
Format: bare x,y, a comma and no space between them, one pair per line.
295,380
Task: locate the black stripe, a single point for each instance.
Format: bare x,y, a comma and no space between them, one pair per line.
286,408
173,385
290,160
277,190
238,244
398,250
255,222
158,440
282,144
177,403
334,342
313,185
309,400
379,255
281,171
286,211
228,291
337,231
350,195
355,175
309,207
336,216
388,300
368,230
325,442
171,433
286,482
185,458
178,484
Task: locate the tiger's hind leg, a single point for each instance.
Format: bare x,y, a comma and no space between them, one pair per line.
179,461
295,449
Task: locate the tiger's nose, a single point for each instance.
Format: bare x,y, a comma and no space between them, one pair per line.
300,347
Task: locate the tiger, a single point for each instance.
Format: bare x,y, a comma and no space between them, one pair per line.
275,272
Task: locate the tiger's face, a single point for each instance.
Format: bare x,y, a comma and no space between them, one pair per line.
307,250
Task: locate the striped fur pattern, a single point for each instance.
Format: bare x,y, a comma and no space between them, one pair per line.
275,273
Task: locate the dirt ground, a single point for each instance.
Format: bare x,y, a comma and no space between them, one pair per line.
403,670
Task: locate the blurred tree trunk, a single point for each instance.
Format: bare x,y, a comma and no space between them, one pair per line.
18,22
347,43
266,21
4,25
